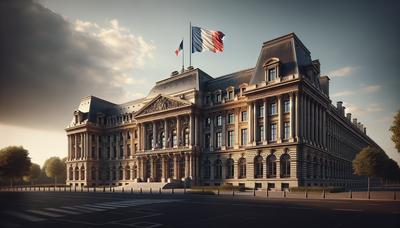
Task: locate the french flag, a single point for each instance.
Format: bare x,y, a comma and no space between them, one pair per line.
207,40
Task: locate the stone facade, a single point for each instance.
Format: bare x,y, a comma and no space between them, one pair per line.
272,126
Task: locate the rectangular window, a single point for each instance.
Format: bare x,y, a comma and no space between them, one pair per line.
287,130
128,152
273,132
230,95
231,118
231,137
136,147
121,151
243,136
219,120
261,134
218,139
129,134
271,74
261,111
208,121
244,116
273,110
207,141
218,98
286,105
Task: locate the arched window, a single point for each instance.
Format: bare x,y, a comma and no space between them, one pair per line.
285,165
93,173
170,167
207,169
242,167
315,167
174,138
258,167
162,139
186,137
127,172
71,173
271,166
120,173
134,173
82,173
218,169
181,167
230,168
308,166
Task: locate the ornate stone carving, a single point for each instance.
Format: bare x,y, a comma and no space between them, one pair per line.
162,103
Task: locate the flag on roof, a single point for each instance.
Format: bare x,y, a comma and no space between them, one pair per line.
179,48
207,40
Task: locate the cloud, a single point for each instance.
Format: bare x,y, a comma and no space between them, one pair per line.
343,93
360,111
49,63
371,88
343,72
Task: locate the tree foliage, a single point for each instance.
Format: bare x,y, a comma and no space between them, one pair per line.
54,167
14,162
395,129
34,173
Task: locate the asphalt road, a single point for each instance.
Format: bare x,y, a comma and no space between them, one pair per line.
81,209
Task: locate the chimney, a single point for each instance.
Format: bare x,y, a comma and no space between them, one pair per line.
339,106
324,82
348,115
355,121
343,110
365,130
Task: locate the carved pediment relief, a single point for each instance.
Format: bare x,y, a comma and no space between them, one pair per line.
162,103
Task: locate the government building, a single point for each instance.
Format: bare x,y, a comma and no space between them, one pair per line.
272,126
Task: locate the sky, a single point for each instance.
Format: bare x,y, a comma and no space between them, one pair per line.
55,52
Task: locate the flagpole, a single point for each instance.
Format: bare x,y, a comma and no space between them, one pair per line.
190,50
183,56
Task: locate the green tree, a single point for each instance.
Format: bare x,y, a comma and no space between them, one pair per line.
370,162
14,162
395,129
34,173
54,167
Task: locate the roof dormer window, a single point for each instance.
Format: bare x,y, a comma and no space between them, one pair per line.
218,98
271,70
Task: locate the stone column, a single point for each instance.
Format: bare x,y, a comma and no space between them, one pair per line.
163,169
191,133
266,135
187,167
237,130
308,112
178,131
249,124
82,145
175,167
297,117
191,166
223,135
154,135
324,128
321,126
152,168
255,124
69,147
166,135
278,167
212,134
141,169
292,121
98,146
88,153
312,122
280,116
196,130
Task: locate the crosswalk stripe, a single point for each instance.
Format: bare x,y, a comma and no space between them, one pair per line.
90,208
39,212
77,209
25,216
101,207
63,211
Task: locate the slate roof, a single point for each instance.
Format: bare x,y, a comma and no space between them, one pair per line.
233,79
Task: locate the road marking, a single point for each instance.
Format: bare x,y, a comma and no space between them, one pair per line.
98,206
344,209
25,216
49,214
77,209
90,208
63,211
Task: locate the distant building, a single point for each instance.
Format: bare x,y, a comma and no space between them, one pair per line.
269,126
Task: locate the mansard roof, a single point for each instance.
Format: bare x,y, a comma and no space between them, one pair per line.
233,79
292,54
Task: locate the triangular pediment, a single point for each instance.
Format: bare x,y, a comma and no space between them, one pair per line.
162,103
